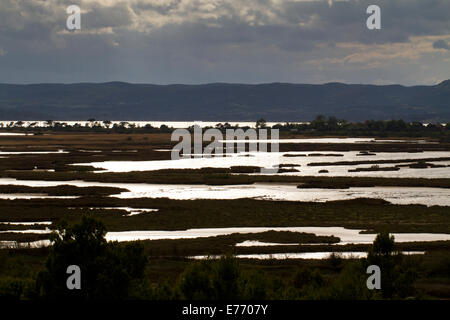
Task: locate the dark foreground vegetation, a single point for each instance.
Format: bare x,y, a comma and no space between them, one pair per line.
159,269
126,271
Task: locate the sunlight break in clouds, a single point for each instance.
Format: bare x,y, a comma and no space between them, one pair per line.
198,41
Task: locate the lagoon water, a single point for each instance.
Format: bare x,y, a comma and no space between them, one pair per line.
36,231
302,255
278,256
32,244
299,162
11,134
27,223
347,236
260,191
330,140
131,211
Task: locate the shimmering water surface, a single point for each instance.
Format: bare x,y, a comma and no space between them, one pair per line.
27,223
426,196
278,256
11,134
300,163
131,211
346,236
302,255
261,191
38,231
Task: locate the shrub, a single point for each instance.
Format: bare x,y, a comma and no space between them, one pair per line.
107,269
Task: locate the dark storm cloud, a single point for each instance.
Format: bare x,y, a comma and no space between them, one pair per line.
160,7
99,16
197,41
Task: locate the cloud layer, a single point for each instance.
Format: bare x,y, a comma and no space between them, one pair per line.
199,41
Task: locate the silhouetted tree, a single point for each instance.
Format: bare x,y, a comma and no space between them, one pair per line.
261,123
107,269
396,277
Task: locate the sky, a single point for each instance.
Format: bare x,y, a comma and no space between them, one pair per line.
238,41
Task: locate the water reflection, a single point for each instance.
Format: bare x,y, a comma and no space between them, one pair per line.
299,160
346,236
260,191
302,255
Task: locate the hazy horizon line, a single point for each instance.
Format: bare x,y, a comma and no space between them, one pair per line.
219,83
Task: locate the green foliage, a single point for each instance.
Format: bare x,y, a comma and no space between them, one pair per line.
225,278
382,248
15,289
350,285
116,271
334,261
107,269
305,277
219,280
437,264
195,282
255,286
322,125
261,123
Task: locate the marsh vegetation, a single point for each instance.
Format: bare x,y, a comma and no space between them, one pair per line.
62,162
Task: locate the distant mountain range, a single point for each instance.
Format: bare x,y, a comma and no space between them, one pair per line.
224,102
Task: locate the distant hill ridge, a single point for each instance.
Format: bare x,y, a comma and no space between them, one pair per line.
224,101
